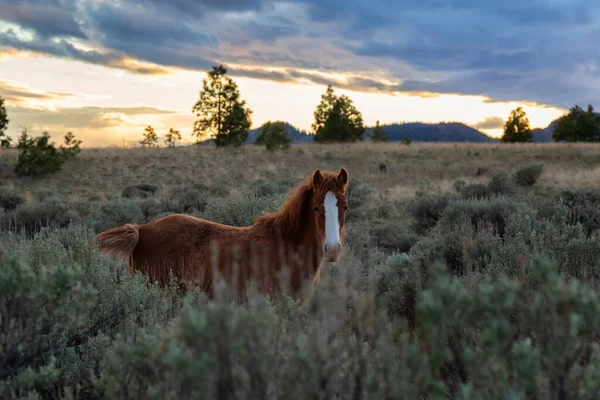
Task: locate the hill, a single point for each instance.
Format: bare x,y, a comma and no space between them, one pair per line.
416,131
544,135
436,132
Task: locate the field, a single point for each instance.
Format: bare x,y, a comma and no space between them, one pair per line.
470,271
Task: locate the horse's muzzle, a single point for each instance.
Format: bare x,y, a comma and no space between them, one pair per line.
332,252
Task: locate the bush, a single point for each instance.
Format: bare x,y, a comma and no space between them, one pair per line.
118,212
528,174
475,191
141,190
31,217
274,135
427,210
357,192
187,199
241,211
9,199
266,187
392,237
38,156
584,207
500,185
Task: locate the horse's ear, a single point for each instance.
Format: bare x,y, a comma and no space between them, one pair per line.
317,178
343,177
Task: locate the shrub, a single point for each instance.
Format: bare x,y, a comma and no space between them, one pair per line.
392,237
427,210
500,185
240,211
528,174
357,192
31,217
9,199
267,187
38,156
583,206
141,190
116,213
475,191
187,199
397,286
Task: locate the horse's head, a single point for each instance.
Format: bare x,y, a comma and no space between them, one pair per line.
330,205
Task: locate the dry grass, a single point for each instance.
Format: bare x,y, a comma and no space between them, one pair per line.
103,173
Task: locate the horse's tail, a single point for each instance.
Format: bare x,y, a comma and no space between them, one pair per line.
119,241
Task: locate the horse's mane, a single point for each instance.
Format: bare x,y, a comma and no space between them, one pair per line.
288,219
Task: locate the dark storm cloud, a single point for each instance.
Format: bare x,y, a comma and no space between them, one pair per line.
45,17
503,49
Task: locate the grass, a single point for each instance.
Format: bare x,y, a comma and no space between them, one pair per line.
445,289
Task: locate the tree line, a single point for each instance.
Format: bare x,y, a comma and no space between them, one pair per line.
577,125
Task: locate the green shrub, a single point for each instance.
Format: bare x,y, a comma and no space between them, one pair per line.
187,199
475,191
397,286
267,187
584,207
141,190
392,237
427,210
528,174
357,192
9,199
241,211
500,184
31,217
118,212
38,156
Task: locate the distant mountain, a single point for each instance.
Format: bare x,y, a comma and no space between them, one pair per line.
416,131
544,135
434,132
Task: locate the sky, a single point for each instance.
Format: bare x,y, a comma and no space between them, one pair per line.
105,69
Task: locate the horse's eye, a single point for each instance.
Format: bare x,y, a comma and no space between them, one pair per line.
316,209
345,208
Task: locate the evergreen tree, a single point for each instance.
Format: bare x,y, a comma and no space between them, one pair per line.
38,156
71,146
378,134
172,137
150,137
221,113
516,128
578,126
4,140
273,135
337,119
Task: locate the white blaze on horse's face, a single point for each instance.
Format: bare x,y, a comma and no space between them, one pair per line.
332,246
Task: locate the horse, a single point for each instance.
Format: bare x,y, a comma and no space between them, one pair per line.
304,233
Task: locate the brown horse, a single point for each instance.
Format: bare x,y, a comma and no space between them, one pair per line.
306,231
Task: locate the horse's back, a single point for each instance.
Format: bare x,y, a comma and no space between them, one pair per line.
180,243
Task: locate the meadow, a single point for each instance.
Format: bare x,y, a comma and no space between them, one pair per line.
470,271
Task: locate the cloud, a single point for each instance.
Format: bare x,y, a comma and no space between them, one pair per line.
507,50
47,18
490,123
18,94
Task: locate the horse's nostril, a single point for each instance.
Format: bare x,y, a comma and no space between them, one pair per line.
326,248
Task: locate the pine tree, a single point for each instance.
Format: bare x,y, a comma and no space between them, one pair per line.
71,146
379,134
221,113
150,137
337,119
172,137
516,128
4,140
578,126
273,135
